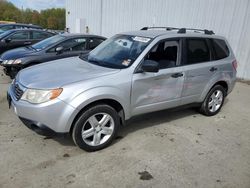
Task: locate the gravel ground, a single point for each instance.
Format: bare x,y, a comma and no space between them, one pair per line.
174,148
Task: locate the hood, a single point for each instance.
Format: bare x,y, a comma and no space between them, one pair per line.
18,53
55,74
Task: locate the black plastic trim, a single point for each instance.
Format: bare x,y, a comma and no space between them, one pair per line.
41,129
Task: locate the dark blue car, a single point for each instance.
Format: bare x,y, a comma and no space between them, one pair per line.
56,47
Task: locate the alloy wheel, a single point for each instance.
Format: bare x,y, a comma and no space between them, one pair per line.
215,101
97,129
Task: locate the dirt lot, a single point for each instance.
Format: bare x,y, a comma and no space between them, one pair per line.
164,149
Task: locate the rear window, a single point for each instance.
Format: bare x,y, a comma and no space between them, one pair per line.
221,50
6,27
197,51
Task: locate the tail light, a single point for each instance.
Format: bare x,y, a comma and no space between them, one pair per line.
235,65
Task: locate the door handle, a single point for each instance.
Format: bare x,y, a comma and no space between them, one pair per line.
176,75
213,69
27,42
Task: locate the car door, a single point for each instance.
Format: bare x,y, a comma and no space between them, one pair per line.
18,39
161,90
198,67
71,47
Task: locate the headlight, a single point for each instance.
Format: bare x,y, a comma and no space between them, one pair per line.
38,96
10,62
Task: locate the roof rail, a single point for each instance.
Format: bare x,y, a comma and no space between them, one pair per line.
167,28
207,32
181,30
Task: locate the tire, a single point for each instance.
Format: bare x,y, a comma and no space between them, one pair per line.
213,101
96,128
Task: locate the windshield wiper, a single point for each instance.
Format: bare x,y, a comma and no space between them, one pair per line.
84,56
95,61
30,47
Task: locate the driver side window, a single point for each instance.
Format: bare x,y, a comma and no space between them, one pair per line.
76,44
165,53
23,35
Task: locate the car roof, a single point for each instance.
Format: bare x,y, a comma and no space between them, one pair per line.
25,25
29,29
153,33
68,35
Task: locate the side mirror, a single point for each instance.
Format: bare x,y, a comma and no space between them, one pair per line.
59,50
7,40
150,66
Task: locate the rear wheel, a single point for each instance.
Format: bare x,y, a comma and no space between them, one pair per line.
213,101
96,128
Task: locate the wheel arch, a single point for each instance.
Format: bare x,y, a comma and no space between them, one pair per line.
108,101
223,83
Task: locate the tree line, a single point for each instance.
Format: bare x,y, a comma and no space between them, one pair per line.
53,18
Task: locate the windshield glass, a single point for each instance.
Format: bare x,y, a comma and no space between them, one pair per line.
4,34
117,52
47,42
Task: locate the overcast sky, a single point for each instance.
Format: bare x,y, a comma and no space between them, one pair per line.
39,4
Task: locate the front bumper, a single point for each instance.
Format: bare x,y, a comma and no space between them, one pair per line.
11,69
38,127
55,115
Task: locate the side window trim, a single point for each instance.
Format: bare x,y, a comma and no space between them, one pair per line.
212,50
184,52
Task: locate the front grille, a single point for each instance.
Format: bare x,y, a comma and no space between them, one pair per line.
18,92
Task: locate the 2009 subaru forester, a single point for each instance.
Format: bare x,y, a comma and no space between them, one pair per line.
132,73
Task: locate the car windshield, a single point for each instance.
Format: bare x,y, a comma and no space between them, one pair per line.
47,42
117,52
4,34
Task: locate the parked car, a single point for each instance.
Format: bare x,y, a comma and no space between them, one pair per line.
129,74
21,37
56,47
6,27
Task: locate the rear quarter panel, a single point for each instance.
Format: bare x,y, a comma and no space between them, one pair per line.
225,73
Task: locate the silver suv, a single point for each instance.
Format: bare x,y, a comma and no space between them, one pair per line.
131,73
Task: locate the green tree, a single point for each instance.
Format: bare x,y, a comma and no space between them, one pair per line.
9,12
53,18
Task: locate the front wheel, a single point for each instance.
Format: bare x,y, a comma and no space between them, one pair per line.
213,101
96,128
